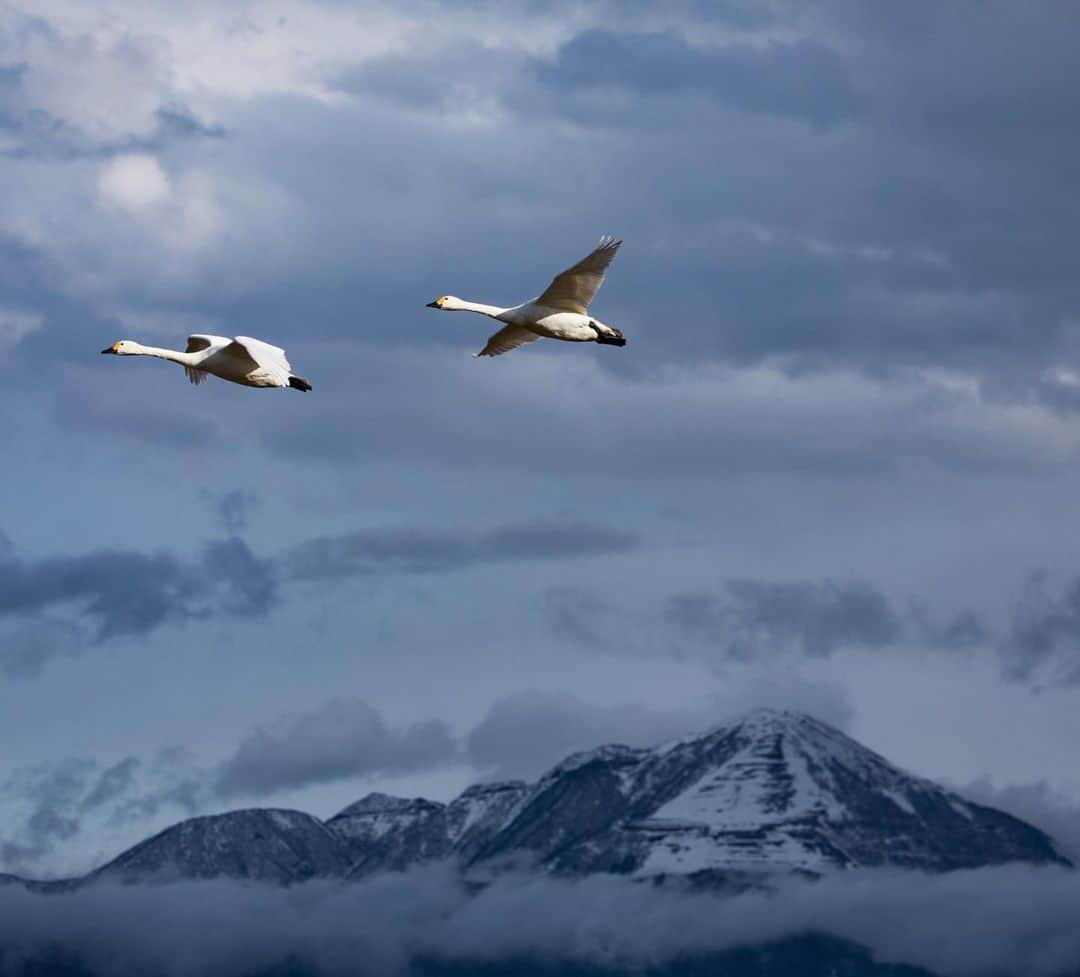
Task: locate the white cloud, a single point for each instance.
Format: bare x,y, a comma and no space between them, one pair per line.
134,182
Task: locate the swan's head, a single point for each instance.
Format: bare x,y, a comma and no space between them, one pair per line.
443,302
126,347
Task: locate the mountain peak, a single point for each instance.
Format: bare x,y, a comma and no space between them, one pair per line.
378,803
764,794
769,791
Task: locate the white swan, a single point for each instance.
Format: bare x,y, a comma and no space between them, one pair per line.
560,313
240,359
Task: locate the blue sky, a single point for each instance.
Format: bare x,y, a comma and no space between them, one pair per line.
835,467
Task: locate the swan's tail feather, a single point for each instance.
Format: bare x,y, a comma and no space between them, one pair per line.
612,337
299,383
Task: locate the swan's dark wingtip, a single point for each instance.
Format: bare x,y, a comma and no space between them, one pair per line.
299,383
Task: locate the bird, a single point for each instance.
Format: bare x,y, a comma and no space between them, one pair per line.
239,359
561,312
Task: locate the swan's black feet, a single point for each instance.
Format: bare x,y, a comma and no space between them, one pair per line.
616,340
299,383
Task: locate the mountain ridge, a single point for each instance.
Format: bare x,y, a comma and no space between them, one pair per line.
765,795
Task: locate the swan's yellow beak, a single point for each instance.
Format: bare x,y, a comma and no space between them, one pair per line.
111,349
437,304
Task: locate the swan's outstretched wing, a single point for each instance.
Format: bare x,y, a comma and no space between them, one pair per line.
271,358
572,290
506,339
196,343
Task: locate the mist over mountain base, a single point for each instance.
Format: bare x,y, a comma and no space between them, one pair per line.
1005,921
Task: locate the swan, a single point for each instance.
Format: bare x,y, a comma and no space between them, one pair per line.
239,359
561,312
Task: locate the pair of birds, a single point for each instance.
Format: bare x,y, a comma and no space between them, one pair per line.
561,312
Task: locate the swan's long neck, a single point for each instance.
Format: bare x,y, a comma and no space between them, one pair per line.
174,355
460,305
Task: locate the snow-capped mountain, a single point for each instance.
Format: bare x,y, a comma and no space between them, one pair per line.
773,791
262,845
768,794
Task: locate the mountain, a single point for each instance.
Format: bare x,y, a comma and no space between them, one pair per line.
263,845
392,833
773,791
766,795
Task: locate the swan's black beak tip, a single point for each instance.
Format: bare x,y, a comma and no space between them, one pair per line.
432,305
109,350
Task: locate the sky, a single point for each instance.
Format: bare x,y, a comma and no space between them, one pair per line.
834,469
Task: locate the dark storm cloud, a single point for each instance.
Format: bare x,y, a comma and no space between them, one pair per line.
750,616
123,593
428,551
744,619
243,583
52,605
933,227
802,79
343,738
1045,633
749,620
1012,919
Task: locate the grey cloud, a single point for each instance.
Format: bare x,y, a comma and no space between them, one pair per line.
343,738
899,245
1013,919
121,593
64,811
466,75
44,86
1045,633
748,620
83,411
246,584
233,508
50,606
525,733
803,79
28,642
428,551
111,783
52,793
751,616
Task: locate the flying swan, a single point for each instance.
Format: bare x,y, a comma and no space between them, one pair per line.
240,360
560,313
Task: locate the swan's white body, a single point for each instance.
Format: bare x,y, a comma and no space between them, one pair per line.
239,359
561,312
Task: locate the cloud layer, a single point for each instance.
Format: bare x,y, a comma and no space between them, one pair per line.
991,921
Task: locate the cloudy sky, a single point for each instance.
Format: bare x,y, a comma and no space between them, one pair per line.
836,467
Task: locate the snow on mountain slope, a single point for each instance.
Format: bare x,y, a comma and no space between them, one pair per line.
259,845
773,791
769,794
481,811
383,833
391,833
